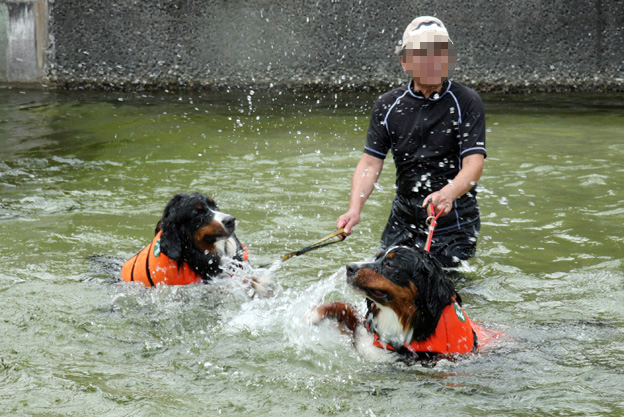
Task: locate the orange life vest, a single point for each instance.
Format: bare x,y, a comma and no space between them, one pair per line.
454,334
152,267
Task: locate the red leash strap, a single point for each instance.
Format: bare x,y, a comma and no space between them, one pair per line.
432,221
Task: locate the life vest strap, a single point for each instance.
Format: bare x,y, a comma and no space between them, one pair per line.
147,269
136,259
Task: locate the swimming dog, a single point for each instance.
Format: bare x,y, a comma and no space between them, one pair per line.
413,308
192,240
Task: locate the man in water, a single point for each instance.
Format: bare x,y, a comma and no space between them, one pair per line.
436,130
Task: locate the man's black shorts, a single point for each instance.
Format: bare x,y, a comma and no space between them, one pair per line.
452,241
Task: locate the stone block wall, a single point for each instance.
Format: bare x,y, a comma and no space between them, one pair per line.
541,45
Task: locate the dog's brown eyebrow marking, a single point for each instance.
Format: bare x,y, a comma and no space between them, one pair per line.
199,207
390,255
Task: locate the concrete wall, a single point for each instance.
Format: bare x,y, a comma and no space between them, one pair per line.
23,40
502,45
4,18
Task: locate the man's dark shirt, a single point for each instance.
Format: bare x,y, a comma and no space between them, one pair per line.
428,137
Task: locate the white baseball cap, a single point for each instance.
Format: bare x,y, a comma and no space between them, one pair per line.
422,31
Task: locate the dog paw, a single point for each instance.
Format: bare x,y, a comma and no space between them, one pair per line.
344,313
313,316
261,287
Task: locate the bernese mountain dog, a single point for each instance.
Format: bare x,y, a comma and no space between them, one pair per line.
193,238
412,307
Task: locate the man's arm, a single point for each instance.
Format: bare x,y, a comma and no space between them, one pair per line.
472,167
365,176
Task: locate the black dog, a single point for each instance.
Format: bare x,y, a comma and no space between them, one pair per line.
192,239
413,307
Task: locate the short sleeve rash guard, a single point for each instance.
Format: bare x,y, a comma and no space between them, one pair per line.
428,137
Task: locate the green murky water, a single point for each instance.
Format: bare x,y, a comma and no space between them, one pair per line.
88,174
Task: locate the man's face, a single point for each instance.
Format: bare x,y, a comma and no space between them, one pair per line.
429,64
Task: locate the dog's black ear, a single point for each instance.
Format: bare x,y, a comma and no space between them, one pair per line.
172,233
158,227
436,289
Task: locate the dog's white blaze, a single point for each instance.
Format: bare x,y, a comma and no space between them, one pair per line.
225,247
218,216
389,328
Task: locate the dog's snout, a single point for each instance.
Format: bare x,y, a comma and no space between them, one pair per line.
352,269
229,222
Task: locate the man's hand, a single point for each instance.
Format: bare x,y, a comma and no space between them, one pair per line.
348,221
440,201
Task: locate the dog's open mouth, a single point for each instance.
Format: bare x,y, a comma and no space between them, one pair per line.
376,295
212,239
363,281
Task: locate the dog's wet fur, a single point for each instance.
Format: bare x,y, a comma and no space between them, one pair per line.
196,232
406,290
